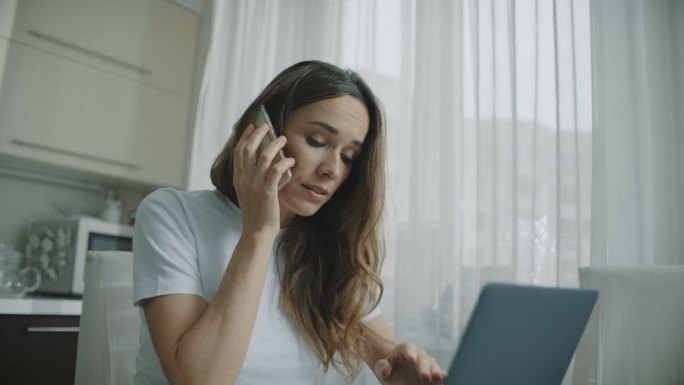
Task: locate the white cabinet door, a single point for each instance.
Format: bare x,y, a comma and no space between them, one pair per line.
102,87
151,41
64,113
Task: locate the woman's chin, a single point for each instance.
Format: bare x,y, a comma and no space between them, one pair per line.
299,209
307,211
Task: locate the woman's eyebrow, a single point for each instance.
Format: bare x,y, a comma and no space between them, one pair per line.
325,125
333,131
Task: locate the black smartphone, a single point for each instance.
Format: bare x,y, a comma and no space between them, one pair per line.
260,118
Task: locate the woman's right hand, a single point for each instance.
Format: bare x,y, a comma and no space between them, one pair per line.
256,181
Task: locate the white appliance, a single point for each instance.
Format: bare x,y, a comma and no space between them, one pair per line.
58,249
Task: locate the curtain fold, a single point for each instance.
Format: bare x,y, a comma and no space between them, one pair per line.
639,125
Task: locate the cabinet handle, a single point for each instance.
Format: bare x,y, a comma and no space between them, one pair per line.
72,46
75,154
52,329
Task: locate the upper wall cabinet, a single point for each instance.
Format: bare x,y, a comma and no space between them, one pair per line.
98,86
151,41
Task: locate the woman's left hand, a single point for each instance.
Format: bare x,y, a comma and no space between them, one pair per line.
406,364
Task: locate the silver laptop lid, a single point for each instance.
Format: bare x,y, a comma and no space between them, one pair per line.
521,335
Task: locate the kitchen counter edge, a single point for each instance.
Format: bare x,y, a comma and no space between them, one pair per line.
40,306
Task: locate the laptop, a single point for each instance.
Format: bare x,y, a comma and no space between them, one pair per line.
521,335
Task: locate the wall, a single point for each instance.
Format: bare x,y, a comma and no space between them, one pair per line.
23,200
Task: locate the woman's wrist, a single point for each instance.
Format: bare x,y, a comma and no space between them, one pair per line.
258,238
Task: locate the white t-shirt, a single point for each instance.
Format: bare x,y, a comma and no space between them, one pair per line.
182,245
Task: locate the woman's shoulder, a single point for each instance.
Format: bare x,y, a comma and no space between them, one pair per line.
172,195
197,202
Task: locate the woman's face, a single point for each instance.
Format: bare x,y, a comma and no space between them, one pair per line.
324,138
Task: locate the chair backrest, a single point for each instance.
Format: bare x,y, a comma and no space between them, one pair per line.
108,335
636,333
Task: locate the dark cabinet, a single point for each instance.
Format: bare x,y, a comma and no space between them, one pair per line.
38,349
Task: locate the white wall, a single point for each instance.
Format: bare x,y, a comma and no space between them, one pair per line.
23,200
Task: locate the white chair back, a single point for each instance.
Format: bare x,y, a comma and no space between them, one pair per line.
108,335
635,335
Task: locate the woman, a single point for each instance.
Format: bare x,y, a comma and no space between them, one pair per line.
252,284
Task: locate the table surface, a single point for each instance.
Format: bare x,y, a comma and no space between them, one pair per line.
40,306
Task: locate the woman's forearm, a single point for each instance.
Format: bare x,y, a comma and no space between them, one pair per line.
380,338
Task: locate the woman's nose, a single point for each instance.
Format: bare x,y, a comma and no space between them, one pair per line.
330,167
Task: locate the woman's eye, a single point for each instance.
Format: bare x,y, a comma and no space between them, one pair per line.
313,142
347,159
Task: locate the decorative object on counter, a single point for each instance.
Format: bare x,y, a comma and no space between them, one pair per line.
112,211
112,207
16,281
58,248
48,250
131,217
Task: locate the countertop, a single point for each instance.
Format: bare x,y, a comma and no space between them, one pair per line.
40,306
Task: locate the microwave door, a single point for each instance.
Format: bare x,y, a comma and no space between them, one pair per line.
105,242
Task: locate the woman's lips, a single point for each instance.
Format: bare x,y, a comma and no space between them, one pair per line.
316,192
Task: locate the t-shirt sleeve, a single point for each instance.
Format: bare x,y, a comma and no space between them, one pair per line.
164,254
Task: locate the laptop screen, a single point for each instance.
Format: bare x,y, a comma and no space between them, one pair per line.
521,335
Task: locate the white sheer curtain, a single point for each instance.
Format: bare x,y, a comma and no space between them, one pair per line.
639,132
489,107
637,214
491,165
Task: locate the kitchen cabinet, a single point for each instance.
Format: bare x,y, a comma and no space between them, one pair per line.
38,349
151,41
39,341
98,88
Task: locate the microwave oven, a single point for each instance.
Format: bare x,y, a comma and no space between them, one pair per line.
58,249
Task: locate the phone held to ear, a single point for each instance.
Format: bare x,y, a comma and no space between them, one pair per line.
260,118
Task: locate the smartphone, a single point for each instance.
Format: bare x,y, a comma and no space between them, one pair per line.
260,118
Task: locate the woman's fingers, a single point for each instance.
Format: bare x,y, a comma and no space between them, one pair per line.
383,369
420,360
238,157
265,165
258,168
276,172
409,352
438,375
268,154
428,369
423,365
246,148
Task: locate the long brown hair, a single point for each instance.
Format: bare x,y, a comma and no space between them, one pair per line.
332,259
